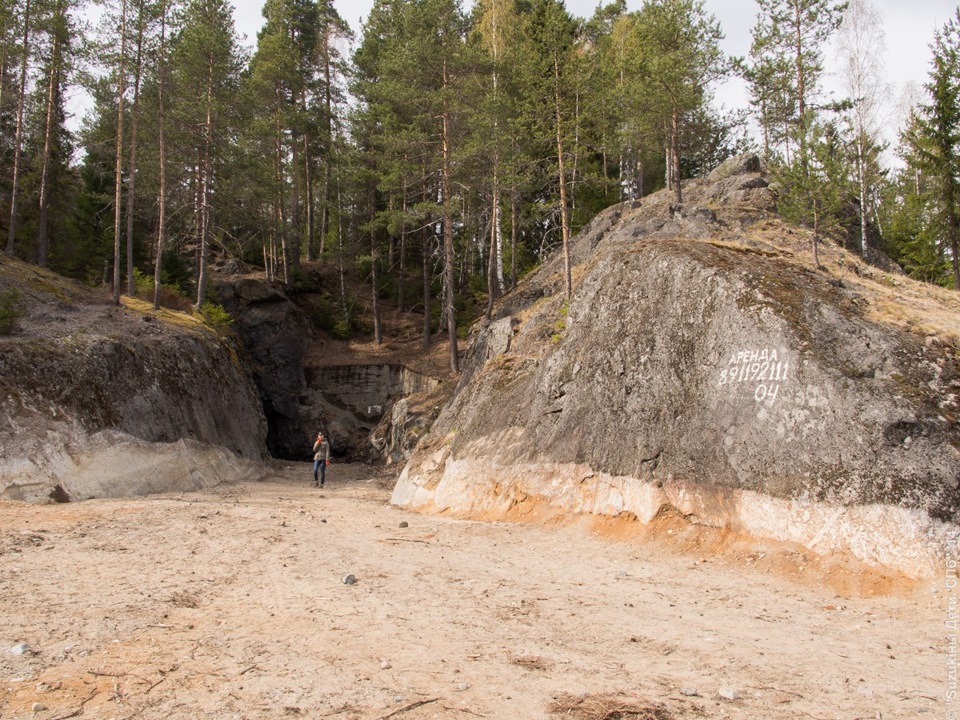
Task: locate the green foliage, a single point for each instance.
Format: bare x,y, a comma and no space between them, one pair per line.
143,283
933,139
329,317
175,272
814,184
460,125
11,310
913,243
215,316
300,282
787,62
560,324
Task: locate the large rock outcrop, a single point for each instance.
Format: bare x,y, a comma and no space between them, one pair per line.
97,400
274,332
702,366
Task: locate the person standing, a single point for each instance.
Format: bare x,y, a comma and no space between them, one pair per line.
321,458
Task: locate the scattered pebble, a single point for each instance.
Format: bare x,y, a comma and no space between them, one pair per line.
385,665
38,707
22,649
689,691
404,523
349,579
729,693
463,686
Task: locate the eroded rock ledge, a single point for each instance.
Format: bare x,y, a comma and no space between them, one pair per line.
725,380
104,401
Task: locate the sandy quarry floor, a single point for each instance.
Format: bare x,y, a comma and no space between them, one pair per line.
231,604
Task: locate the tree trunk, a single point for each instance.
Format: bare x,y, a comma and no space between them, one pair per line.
18,137
340,253
564,221
801,76
328,141
448,251
296,229
667,160
513,240
161,139
401,275
493,287
374,270
309,200
53,85
675,154
425,242
576,151
118,168
132,162
953,228
279,210
862,182
207,179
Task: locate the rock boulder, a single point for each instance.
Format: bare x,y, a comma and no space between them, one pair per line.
698,369
78,368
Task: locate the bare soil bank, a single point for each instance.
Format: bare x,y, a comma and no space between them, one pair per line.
232,604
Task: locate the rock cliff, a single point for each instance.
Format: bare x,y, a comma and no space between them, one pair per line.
97,400
274,333
703,366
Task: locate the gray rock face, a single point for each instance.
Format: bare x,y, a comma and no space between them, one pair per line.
736,387
274,333
162,389
408,420
100,401
372,406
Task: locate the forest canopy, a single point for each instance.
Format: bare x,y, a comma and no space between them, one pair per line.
443,151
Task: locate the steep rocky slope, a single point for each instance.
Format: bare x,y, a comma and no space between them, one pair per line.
97,400
703,367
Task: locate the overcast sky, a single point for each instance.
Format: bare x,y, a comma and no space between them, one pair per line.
909,28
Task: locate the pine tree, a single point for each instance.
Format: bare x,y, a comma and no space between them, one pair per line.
934,138
496,25
274,85
54,154
162,61
768,80
121,81
912,235
410,69
788,43
681,56
205,72
553,34
814,184
24,59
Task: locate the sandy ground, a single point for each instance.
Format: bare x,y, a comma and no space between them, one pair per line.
232,604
